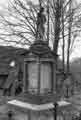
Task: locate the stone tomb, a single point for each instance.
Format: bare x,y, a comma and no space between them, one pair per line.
38,98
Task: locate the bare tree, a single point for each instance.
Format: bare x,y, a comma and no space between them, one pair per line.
18,25
64,20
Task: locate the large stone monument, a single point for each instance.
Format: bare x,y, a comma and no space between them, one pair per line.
39,100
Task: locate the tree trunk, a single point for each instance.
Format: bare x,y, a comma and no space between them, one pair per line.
57,25
63,46
69,38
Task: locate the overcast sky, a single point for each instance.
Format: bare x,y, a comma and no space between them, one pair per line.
3,1
76,52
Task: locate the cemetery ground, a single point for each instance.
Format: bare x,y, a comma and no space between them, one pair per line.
75,100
